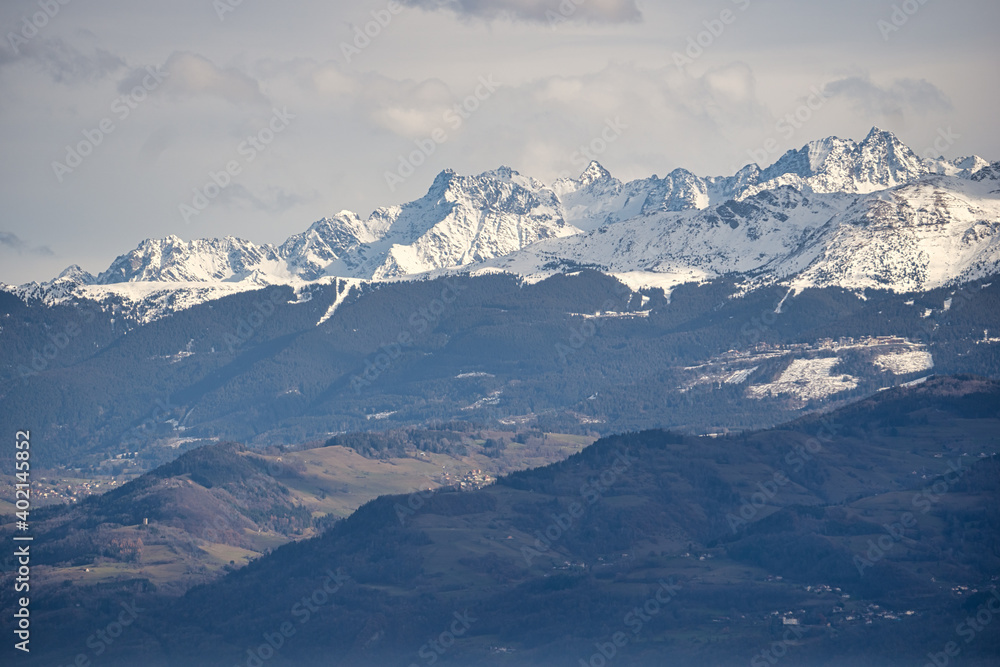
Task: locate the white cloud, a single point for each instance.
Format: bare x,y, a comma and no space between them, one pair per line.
193,75
546,11
353,120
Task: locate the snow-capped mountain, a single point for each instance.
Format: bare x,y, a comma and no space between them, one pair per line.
60,288
172,260
932,232
830,165
835,212
668,248
925,234
838,165
311,253
461,220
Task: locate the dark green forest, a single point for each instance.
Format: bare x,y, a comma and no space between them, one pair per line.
818,525
397,355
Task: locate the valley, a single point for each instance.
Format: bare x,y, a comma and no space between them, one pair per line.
704,418
836,526
191,532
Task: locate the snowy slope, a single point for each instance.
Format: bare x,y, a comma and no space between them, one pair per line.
936,231
597,198
462,220
311,254
765,230
829,165
932,232
836,212
209,260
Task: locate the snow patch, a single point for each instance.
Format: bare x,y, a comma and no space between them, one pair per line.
343,289
637,280
806,379
741,376
610,314
901,363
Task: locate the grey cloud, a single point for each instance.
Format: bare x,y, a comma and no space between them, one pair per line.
273,200
193,75
539,127
66,63
405,108
13,242
560,89
6,56
158,143
544,11
895,100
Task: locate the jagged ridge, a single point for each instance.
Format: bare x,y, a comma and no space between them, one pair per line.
834,212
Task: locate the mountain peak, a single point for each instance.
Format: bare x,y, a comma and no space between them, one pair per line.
463,220
991,172
594,172
879,136
74,273
442,181
503,173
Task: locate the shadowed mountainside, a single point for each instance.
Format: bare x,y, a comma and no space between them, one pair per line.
864,536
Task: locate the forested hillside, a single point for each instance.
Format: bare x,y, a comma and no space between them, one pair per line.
270,367
863,537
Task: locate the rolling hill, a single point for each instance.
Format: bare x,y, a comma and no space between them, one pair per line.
864,536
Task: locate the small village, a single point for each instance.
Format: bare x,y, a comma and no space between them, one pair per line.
474,479
50,491
768,351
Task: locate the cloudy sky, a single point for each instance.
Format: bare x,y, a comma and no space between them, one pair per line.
118,116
